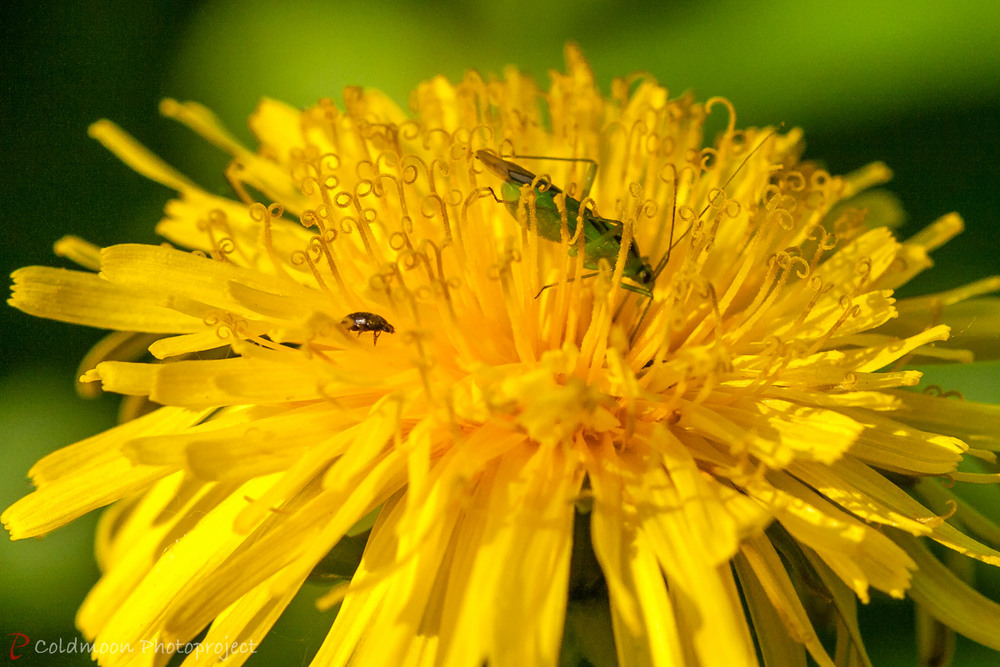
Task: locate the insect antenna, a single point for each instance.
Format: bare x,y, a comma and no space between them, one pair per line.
662,264
671,243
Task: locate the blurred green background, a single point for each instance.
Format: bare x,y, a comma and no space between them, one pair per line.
916,85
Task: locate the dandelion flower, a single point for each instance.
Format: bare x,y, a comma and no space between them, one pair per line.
727,454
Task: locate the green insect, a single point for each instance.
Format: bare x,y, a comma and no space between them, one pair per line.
602,236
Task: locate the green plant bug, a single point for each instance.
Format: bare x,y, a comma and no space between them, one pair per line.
602,236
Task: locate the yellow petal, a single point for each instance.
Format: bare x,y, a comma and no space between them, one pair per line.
876,358
938,233
865,493
154,268
117,346
968,518
262,443
174,346
211,383
90,474
526,545
198,550
671,520
976,423
277,128
777,645
644,622
845,605
950,599
859,554
134,534
236,634
895,446
77,250
137,156
777,432
85,298
758,559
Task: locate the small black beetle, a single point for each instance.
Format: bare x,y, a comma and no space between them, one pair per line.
362,322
